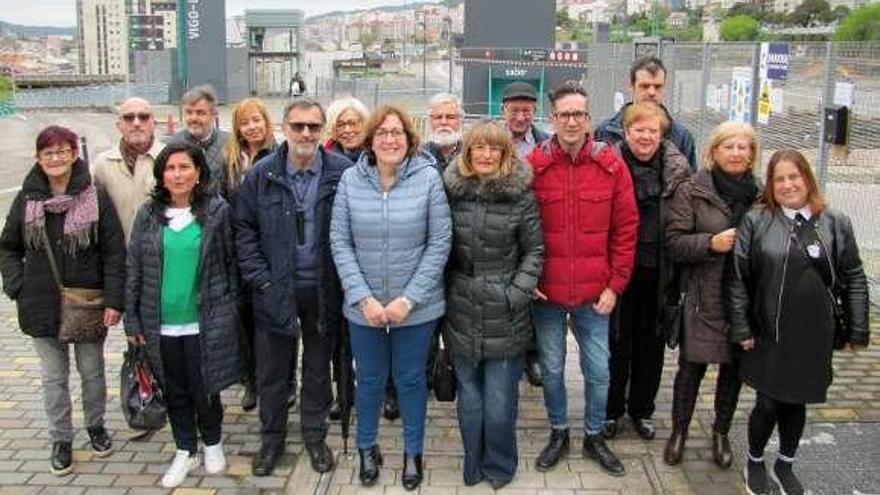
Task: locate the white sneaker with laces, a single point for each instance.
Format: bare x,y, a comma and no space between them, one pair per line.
215,460
181,465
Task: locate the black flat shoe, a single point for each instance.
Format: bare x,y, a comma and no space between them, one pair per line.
249,399
412,472
391,409
371,460
320,456
645,428
265,460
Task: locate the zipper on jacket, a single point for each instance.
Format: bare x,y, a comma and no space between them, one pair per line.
569,198
782,284
385,236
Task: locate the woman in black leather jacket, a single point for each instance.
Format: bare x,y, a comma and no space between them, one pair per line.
791,252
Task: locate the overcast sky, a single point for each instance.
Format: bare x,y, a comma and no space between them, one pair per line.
63,12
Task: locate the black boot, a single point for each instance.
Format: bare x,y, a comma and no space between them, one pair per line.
721,453
412,472
62,458
556,448
100,441
249,399
785,479
594,446
533,370
335,410
645,428
391,409
371,460
674,450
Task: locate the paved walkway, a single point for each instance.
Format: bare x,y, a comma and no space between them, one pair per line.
136,466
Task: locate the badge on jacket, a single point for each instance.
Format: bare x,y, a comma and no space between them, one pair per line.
814,250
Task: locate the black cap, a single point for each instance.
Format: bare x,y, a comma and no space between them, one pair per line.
519,91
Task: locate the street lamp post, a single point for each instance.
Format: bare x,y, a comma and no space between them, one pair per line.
424,51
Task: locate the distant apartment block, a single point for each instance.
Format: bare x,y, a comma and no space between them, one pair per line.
102,36
152,24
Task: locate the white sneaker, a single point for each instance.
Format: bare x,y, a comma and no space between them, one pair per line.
181,465
215,461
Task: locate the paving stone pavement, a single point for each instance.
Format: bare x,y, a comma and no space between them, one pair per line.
137,466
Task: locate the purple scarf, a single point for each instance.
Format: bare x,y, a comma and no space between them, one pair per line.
80,219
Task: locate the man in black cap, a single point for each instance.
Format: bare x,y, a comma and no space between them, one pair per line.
519,102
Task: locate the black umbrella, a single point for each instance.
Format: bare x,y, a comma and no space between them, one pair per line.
345,384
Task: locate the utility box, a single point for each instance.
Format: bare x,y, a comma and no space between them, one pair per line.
836,124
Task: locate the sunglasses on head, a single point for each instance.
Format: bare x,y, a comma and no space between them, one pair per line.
141,116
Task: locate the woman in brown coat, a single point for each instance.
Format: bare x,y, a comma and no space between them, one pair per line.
700,233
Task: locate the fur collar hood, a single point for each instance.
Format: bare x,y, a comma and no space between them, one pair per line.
495,189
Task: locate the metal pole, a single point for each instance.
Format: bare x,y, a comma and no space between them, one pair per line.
424,52
449,50
822,155
756,84
704,83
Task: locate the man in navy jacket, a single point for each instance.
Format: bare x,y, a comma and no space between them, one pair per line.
282,238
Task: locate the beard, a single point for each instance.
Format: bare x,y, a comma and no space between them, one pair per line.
445,137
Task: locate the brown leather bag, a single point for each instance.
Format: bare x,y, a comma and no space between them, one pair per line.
82,310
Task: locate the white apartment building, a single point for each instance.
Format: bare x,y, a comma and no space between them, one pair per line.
102,36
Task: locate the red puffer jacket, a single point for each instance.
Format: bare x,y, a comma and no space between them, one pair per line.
590,220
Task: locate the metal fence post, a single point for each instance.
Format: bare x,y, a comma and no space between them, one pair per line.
704,82
376,94
822,155
756,85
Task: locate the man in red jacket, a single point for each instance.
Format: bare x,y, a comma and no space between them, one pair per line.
590,220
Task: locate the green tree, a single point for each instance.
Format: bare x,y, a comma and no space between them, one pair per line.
811,13
840,12
744,8
863,24
563,19
740,28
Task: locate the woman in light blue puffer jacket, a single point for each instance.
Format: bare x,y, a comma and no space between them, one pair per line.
391,234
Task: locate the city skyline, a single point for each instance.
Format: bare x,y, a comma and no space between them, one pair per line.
62,13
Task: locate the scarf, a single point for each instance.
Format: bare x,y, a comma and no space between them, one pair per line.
80,219
738,193
130,153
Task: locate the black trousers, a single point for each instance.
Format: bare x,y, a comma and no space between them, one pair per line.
274,357
636,349
189,408
769,412
247,345
687,387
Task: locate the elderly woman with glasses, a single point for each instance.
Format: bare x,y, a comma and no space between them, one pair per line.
390,236
60,212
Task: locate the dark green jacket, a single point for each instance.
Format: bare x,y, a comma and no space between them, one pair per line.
496,259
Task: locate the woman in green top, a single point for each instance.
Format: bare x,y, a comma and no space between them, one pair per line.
182,297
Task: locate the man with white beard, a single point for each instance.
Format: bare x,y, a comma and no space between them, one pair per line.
444,122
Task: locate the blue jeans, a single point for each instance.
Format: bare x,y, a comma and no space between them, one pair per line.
402,352
488,401
591,332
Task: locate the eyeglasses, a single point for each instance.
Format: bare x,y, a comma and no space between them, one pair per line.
485,148
301,126
354,124
141,116
393,134
59,154
516,112
578,116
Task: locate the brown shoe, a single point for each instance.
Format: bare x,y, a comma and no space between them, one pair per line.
674,450
721,453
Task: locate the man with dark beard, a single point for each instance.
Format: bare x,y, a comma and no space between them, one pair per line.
444,123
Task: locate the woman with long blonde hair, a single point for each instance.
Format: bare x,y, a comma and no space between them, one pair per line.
252,140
